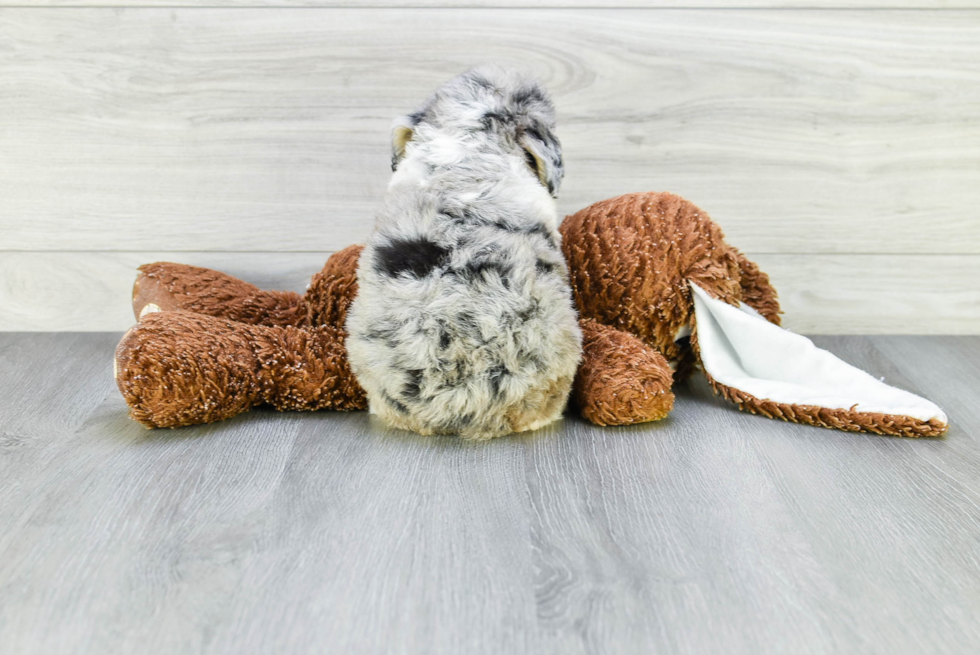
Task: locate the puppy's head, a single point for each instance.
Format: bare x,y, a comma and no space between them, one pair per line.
507,108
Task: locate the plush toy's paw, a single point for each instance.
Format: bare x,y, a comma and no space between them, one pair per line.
177,368
306,369
162,287
149,308
333,289
170,287
621,380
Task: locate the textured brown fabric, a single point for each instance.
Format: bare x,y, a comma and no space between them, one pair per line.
334,288
204,291
621,380
630,260
220,345
179,368
757,292
686,364
837,419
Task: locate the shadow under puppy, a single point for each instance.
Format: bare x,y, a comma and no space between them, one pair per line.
464,321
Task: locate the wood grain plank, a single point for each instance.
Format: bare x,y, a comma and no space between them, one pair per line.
942,367
830,482
169,520
713,530
820,294
69,291
876,294
800,131
786,510
513,4
422,546
663,538
192,534
50,386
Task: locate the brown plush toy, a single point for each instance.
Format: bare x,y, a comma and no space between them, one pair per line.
658,290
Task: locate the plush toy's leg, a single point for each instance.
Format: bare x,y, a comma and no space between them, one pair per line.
686,362
166,287
178,368
333,288
757,292
771,371
621,380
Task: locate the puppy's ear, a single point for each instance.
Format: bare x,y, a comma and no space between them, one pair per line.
544,150
402,131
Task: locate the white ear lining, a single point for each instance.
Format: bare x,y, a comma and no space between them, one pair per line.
742,350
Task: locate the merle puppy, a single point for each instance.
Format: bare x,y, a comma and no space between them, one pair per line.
463,321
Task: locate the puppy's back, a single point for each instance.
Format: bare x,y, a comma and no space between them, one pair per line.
463,322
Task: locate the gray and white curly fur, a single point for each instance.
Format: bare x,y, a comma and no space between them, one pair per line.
464,321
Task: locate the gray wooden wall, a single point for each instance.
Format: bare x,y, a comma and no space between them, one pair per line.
836,141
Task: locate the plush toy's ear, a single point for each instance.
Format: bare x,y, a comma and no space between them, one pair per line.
402,131
544,156
771,371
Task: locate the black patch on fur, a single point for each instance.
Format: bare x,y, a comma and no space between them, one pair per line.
382,335
541,230
532,163
546,137
528,94
544,267
536,133
533,358
466,324
414,386
456,424
385,334
531,311
492,117
465,216
394,403
415,257
496,376
475,269
552,149
458,215
482,82
536,228
443,339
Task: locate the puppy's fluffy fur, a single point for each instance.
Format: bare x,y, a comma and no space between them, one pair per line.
463,322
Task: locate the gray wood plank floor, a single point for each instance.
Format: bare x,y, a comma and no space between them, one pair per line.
713,531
